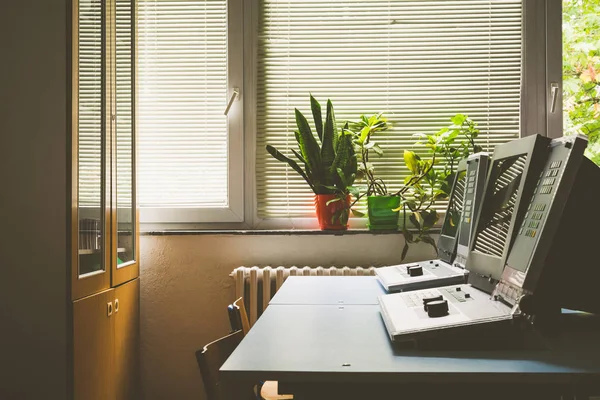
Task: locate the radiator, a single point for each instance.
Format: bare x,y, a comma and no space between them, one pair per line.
258,285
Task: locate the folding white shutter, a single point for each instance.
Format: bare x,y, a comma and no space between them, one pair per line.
182,80
419,62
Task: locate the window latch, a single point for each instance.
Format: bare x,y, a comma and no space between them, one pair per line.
554,94
236,93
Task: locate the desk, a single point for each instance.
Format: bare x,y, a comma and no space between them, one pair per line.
343,351
329,290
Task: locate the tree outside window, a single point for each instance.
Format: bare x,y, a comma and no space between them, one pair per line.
581,71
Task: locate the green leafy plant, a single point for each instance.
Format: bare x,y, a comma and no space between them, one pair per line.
581,72
431,177
363,130
328,162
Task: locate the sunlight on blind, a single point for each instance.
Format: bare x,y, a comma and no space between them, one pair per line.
90,104
419,62
124,104
182,76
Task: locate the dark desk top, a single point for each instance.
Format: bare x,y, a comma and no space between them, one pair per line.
335,343
329,290
306,336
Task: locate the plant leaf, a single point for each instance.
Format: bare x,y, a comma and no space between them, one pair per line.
408,236
414,218
404,251
332,201
357,213
377,149
411,161
342,177
316,112
429,240
342,156
430,218
364,134
281,157
309,148
458,119
299,156
330,136
354,191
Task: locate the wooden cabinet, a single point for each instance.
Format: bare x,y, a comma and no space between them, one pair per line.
126,343
104,212
105,344
93,346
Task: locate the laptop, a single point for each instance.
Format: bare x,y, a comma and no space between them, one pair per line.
463,205
528,186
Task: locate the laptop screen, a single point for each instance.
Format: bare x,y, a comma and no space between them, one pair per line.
498,208
455,207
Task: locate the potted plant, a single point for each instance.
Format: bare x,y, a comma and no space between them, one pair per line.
381,205
432,177
328,165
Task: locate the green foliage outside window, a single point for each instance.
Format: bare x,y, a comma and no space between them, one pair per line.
581,72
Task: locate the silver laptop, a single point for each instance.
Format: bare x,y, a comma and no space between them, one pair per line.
465,197
525,205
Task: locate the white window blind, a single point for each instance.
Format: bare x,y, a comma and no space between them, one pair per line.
124,103
182,79
419,62
91,86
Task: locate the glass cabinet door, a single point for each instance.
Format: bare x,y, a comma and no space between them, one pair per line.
90,272
125,229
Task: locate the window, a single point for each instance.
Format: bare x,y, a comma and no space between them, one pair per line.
419,62
187,169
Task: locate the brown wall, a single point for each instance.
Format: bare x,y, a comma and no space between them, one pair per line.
185,289
33,198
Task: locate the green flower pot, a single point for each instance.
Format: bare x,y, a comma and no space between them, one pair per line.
381,216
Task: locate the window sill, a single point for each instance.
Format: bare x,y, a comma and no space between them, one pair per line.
276,226
274,232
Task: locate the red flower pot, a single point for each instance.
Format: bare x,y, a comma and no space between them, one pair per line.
325,213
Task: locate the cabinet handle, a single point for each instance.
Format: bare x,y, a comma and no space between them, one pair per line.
116,306
109,308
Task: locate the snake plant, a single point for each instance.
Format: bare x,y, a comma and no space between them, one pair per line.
327,162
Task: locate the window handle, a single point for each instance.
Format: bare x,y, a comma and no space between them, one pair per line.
554,94
236,93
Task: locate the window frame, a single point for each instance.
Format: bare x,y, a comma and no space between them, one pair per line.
162,217
542,67
540,34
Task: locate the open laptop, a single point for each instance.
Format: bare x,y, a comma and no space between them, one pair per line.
530,196
465,197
